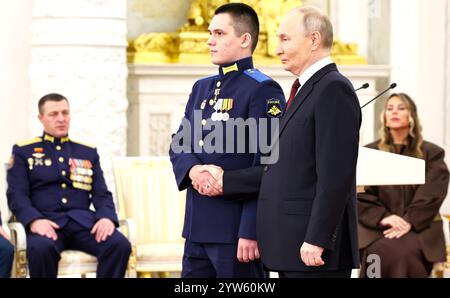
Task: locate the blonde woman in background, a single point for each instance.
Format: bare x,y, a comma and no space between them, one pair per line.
401,224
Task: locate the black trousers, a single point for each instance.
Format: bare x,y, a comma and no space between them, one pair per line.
43,253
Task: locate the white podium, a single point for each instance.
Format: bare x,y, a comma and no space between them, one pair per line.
377,167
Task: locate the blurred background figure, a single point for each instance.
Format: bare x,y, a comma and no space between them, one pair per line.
401,224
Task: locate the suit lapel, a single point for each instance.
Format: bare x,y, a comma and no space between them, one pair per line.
304,94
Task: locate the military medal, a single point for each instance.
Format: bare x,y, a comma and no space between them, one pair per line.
48,162
202,106
81,172
38,158
217,115
227,104
30,163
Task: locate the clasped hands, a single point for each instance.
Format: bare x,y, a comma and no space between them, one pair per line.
207,179
396,226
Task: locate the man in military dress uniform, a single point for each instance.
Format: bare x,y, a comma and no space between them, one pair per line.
52,181
220,234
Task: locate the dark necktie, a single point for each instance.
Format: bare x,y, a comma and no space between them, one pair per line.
294,89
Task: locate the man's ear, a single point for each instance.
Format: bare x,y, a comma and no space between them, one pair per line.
316,40
246,40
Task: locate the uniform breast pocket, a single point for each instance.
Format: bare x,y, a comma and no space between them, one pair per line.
297,207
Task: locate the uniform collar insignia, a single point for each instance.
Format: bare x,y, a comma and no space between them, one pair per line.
49,138
52,139
230,68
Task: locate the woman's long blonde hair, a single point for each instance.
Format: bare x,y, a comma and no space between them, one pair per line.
414,139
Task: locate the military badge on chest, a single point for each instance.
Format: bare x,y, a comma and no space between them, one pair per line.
81,173
38,159
221,106
221,109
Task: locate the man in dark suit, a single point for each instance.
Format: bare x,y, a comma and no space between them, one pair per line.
306,219
221,235
6,253
52,181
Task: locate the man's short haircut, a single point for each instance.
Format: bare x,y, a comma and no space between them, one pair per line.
49,97
244,19
315,20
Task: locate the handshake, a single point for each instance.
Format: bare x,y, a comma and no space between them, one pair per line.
207,179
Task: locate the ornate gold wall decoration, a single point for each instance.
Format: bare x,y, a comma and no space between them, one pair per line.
189,44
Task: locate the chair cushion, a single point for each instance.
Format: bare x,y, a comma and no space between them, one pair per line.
75,256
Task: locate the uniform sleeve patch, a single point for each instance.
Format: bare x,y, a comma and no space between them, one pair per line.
274,108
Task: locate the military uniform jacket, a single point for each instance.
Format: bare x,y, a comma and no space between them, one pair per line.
238,92
58,179
417,204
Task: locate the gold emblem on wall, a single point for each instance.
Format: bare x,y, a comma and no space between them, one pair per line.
189,43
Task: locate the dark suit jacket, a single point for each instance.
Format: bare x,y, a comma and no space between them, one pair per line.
417,204
309,194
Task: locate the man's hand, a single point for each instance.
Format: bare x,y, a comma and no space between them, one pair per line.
217,173
102,229
204,182
247,250
4,234
398,226
311,255
44,227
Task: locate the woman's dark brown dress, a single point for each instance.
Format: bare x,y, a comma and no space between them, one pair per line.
413,254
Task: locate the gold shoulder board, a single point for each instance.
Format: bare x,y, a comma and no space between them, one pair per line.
29,142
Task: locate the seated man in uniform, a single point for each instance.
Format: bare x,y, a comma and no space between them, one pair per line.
6,253
52,181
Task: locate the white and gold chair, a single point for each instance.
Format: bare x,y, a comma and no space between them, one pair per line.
442,269
72,263
147,193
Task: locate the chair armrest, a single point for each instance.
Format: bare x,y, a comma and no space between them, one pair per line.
18,235
130,229
130,233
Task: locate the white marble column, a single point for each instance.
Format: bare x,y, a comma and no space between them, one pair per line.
15,19
350,21
78,49
446,205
